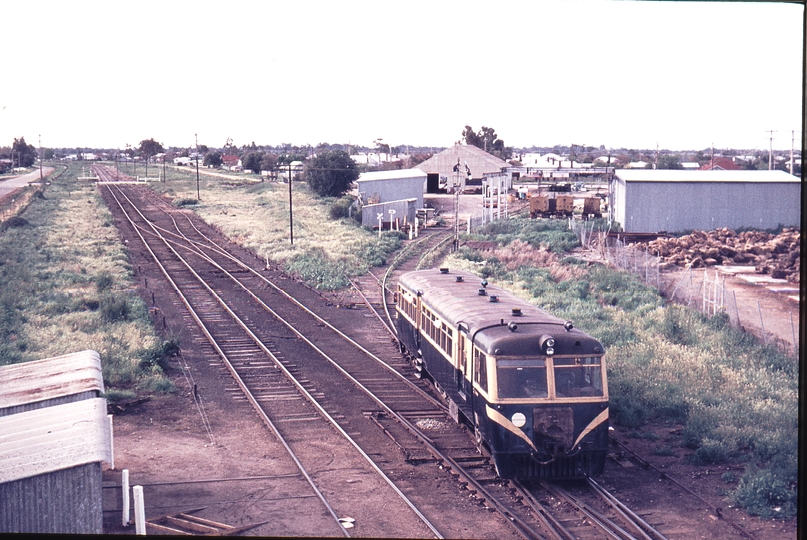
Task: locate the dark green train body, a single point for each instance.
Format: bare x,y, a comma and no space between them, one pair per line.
531,385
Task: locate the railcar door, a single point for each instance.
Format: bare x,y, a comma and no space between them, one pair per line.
463,365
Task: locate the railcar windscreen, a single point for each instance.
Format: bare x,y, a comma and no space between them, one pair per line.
522,378
578,377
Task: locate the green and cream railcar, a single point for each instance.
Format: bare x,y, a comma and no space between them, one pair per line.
531,385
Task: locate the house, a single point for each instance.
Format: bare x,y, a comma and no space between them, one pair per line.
721,164
459,165
231,163
648,200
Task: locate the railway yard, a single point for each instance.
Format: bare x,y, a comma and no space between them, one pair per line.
298,415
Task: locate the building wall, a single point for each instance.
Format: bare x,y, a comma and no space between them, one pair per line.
686,206
403,209
394,189
68,501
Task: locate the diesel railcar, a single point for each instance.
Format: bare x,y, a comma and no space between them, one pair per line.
532,386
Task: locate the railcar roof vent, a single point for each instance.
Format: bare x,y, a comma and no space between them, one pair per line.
458,279
444,270
512,326
516,312
484,283
494,298
482,292
568,326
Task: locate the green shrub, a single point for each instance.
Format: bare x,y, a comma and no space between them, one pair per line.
711,452
666,450
764,494
104,281
114,308
114,395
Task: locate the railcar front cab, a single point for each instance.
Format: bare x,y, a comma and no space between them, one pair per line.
544,406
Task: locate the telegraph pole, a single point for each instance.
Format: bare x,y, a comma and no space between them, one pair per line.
770,151
291,218
40,158
197,165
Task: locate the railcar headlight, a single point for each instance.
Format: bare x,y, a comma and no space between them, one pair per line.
519,419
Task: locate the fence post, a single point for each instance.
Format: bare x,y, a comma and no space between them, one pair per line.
762,324
793,330
125,497
140,510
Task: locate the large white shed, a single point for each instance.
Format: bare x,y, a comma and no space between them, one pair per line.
645,200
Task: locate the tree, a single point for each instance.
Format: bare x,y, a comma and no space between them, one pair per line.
213,159
487,140
23,154
269,162
252,161
331,173
150,147
669,161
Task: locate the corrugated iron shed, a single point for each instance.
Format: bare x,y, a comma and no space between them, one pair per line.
50,468
54,438
52,381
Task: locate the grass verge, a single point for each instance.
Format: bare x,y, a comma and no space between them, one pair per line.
65,286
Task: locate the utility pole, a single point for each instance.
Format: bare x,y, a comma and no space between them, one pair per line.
792,142
291,218
770,151
40,158
197,165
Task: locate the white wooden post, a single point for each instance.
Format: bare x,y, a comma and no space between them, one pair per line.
124,481
111,443
140,510
380,217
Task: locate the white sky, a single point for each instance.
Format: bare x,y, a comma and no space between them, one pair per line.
685,75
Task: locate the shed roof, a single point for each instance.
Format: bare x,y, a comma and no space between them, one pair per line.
391,175
54,438
50,378
664,175
479,161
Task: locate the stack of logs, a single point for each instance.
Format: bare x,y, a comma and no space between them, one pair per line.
778,255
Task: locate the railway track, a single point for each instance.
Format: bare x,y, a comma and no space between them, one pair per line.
273,355
276,351
566,511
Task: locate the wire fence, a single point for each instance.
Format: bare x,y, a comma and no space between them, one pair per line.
702,289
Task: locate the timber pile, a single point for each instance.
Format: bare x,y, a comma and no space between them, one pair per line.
778,255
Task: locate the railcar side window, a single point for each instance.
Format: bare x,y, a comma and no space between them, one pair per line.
522,378
481,369
578,377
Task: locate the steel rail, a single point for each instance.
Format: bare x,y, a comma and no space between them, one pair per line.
290,298
610,529
248,394
299,386
520,526
554,527
639,525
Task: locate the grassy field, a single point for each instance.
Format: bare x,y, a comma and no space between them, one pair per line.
256,215
65,286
